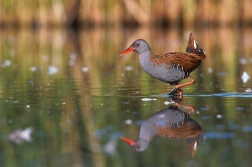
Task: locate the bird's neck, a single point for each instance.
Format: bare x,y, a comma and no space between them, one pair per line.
145,60
145,55
147,132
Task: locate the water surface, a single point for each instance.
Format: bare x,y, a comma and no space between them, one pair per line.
78,98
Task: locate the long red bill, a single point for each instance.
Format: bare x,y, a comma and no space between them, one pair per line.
130,49
130,142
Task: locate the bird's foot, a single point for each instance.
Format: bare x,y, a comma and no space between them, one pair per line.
176,95
176,92
173,92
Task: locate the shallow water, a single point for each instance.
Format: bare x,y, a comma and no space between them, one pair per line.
76,97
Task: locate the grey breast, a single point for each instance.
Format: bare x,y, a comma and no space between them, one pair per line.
165,72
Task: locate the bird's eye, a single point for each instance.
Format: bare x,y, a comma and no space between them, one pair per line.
137,44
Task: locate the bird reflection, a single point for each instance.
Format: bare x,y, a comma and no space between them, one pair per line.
171,123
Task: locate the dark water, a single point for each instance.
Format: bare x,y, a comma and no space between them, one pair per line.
71,98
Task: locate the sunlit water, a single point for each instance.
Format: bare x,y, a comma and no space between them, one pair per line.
66,102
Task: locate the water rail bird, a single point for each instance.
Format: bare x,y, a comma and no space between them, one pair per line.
169,67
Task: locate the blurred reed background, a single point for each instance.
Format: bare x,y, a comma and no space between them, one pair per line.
26,56
125,12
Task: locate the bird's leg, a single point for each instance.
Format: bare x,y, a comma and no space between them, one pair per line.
177,89
186,84
180,93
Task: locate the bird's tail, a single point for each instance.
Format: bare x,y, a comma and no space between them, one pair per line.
192,47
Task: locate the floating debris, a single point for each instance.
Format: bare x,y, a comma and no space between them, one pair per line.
249,90
73,56
219,116
243,61
245,77
52,70
6,63
128,68
148,99
18,136
85,69
210,70
33,69
168,102
128,121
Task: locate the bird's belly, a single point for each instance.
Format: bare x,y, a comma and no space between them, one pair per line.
165,74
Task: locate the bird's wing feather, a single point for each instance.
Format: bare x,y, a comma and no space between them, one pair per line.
189,61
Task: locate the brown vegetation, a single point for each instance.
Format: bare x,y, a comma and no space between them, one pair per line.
125,12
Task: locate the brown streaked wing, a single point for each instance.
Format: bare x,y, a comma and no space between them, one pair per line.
189,61
183,131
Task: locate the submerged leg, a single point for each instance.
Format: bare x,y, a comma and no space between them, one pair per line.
191,108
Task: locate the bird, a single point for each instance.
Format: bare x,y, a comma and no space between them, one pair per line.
171,123
170,67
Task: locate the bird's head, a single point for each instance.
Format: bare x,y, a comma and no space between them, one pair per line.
140,145
139,46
